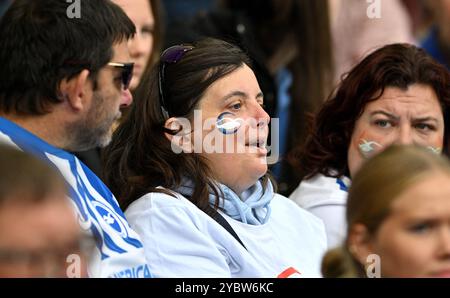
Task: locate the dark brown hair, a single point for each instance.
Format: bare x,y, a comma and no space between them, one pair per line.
396,65
41,46
158,32
140,157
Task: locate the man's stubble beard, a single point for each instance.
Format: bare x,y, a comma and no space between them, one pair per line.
95,130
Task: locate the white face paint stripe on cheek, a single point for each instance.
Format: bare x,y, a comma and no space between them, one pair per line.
367,147
435,150
227,124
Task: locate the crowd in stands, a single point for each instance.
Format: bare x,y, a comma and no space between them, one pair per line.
227,138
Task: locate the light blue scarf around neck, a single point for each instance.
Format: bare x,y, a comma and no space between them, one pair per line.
253,207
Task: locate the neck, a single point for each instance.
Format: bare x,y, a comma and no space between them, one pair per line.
47,127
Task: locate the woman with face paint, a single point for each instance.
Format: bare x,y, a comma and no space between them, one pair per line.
396,95
398,220
190,167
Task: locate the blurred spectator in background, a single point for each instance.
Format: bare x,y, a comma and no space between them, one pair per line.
420,16
144,48
398,219
437,41
4,6
179,10
290,44
38,227
357,30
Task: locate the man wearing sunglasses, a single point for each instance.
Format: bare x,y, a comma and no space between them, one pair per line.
63,82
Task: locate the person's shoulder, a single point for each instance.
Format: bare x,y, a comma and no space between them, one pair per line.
321,190
288,207
174,212
304,220
159,201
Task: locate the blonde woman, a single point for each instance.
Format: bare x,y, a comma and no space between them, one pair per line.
398,219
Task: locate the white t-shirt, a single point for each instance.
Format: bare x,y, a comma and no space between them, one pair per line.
180,240
325,197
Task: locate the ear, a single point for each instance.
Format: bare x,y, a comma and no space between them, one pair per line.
360,243
74,90
180,139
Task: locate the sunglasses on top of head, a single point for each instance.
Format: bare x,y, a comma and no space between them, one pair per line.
170,56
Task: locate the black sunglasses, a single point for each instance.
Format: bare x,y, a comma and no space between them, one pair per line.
169,56
127,72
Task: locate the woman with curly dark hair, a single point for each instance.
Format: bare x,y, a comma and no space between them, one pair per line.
398,94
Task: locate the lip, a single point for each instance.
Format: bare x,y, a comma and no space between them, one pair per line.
262,150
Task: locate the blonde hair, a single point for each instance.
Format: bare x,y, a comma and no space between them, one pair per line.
376,185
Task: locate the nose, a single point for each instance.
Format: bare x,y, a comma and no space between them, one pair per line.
444,243
127,98
261,116
405,136
135,45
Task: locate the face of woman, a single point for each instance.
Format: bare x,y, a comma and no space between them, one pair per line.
414,239
411,116
237,158
140,47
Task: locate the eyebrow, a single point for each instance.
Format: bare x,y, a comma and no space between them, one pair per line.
397,118
241,94
150,26
389,115
425,119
